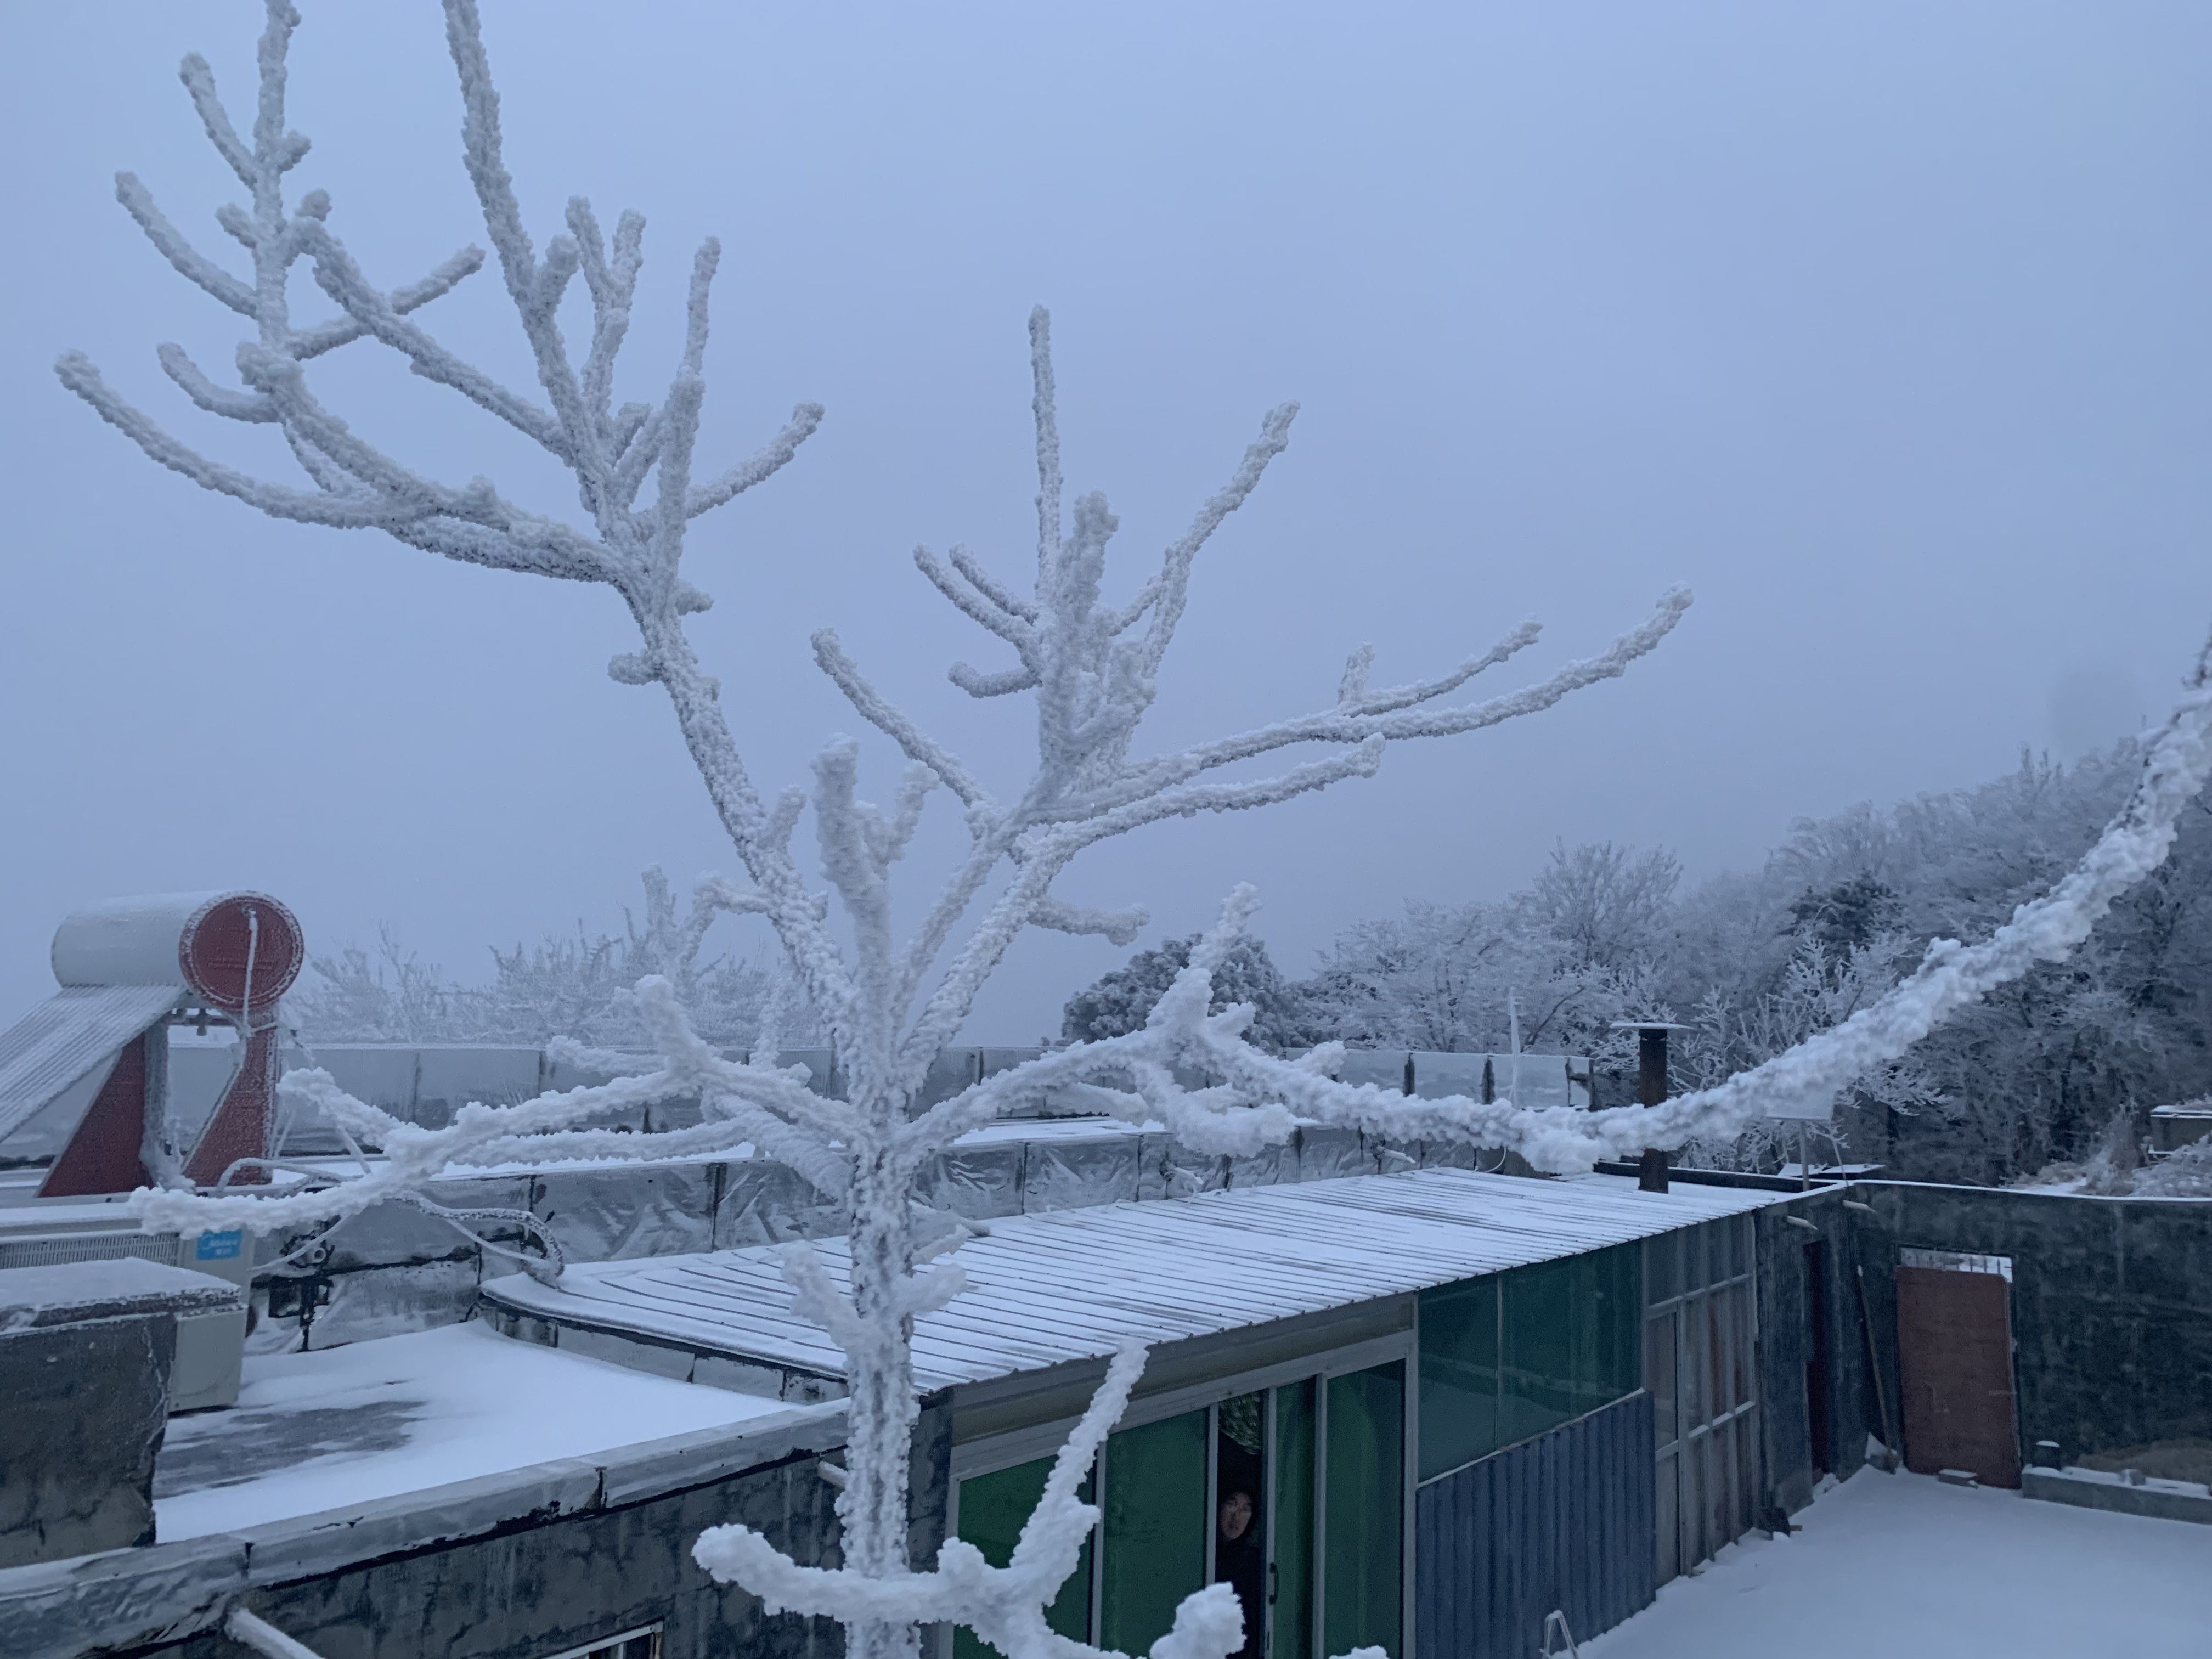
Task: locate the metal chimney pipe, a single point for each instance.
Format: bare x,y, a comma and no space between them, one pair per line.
1652,1089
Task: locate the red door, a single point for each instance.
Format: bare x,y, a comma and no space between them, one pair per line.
1954,1369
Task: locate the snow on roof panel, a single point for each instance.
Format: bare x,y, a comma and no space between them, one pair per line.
66,1037
1070,1285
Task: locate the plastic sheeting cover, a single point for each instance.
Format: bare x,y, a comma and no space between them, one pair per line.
1066,1175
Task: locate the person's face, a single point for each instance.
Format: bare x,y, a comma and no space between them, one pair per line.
1236,1515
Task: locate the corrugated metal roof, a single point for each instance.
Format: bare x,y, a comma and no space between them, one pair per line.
68,1035
1070,1285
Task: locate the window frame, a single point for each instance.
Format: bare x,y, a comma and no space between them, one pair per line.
990,1454
1631,1256
656,1629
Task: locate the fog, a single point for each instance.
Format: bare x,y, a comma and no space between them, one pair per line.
1883,327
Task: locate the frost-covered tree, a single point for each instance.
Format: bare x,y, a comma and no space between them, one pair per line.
1606,903
2186,1173
1119,1002
579,985
1089,665
1438,977
394,996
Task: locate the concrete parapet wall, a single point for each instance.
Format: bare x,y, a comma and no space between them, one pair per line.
2095,1489
2111,1303
510,1566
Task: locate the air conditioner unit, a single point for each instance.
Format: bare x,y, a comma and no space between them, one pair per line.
210,1347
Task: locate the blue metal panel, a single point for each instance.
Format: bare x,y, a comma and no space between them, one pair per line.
1562,1521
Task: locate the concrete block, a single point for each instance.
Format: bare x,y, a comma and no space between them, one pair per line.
115,1287
87,1404
86,1350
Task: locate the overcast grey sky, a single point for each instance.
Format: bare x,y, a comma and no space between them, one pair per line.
1884,326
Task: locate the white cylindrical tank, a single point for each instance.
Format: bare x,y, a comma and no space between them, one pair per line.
235,949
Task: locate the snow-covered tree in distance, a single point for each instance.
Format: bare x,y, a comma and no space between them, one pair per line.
891,1004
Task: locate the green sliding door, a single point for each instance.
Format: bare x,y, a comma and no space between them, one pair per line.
1156,1528
1363,1501
994,1508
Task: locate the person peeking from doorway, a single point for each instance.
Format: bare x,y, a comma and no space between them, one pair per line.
1239,1563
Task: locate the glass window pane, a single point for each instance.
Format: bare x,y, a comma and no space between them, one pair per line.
1670,1526
1290,1532
1362,1574
1458,1375
1631,1330
994,1508
1617,1301
1659,1374
1537,1389
1156,1528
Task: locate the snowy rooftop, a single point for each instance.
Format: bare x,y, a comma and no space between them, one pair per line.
1904,1565
319,1432
1070,1285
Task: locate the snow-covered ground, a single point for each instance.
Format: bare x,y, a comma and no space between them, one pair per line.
315,1432
1896,1566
